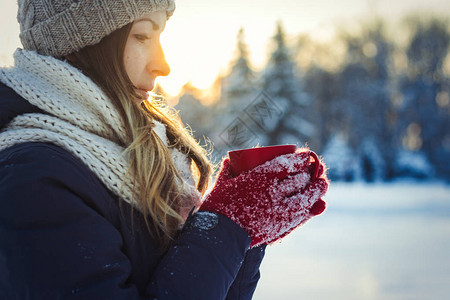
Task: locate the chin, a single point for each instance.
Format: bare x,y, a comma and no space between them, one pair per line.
144,93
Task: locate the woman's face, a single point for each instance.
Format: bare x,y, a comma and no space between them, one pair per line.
144,57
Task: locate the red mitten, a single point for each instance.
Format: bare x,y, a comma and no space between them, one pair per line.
271,200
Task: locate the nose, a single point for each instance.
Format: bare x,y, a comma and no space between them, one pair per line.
160,67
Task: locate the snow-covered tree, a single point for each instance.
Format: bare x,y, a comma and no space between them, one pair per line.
413,164
322,86
373,162
340,159
232,128
287,121
194,114
240,82
424,111
363,101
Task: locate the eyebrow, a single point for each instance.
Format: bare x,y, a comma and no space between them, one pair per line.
155,25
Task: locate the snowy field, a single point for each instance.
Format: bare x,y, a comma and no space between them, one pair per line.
375,241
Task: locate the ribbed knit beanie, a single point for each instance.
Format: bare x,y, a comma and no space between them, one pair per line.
61,27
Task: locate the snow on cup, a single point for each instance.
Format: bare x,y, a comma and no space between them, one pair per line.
247,159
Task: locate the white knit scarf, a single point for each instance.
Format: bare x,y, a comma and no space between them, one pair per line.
83,121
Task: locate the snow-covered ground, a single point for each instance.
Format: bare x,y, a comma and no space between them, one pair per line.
375,241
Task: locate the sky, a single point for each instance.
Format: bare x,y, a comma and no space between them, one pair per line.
200,38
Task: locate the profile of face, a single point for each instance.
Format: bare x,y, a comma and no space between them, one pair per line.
144,58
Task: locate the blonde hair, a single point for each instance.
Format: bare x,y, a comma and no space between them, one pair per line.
150,162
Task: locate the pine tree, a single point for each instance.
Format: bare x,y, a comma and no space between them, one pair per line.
322,86
424,112
233,126
342,162
289,105
240,81
363,103
196,116
238,85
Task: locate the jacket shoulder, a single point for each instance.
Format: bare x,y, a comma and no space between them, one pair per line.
32,160
51,209
31,171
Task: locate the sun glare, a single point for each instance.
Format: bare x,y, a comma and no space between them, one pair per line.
200,38
193,52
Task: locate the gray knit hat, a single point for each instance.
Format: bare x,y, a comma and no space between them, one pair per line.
61,27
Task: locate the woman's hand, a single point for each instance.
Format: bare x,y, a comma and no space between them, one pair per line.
272,199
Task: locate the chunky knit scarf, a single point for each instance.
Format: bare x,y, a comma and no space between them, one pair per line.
83,121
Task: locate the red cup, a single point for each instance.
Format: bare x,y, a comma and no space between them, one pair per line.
247,159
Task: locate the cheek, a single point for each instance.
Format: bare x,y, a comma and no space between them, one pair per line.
134,63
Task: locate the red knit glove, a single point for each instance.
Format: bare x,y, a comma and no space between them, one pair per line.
274,198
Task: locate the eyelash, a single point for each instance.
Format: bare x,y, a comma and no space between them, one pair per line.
141,37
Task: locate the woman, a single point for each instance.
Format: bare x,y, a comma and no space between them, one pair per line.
101,190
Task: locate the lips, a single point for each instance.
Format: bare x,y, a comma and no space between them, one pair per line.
144,90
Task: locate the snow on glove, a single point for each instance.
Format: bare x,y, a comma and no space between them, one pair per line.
274,198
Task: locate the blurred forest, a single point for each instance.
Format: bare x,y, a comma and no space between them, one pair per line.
376,107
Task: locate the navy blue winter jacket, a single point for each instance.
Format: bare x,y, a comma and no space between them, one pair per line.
64,235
